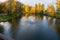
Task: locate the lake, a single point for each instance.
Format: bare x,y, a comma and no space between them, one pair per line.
32,28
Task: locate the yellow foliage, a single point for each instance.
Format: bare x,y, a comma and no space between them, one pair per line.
51,10
3,9
12,10
33,9
23,7
13,4
42,7
38,7
6,4
26,8
58,4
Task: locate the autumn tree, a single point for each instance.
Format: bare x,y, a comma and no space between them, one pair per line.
51,10
42,9
2,8
58,6
26,8
58,9
18,7
32,10
12,4
39,9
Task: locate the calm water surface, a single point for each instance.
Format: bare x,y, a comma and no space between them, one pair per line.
32,28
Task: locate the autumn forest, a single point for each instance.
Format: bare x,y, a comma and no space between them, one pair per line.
12,7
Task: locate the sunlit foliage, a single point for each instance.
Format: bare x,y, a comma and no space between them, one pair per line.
38,7
58,9
12,6
32,9
51,10
58,4
26,8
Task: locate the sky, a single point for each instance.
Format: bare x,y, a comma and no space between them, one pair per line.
33,2
2,0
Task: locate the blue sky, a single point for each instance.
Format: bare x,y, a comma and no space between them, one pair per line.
2,0
33,2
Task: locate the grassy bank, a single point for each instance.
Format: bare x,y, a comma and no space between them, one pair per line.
12,16
8,17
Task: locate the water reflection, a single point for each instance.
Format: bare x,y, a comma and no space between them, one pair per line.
50,21
57,26
26,28
31,19
32,28
39,30
6,26
1,29
14,27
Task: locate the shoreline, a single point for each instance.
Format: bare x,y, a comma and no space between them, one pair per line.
9,17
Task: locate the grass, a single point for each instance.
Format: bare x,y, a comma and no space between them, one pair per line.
8,17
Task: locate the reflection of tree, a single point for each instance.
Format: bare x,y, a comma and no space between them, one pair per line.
38,17
14,22
47,18
1,29
42,17
57,26
14,27
50,21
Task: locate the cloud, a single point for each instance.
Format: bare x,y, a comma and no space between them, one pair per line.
2,0
33,2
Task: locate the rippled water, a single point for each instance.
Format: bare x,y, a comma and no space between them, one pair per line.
31,28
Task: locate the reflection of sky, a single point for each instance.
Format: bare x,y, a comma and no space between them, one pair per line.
37,30
6,26
26,22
